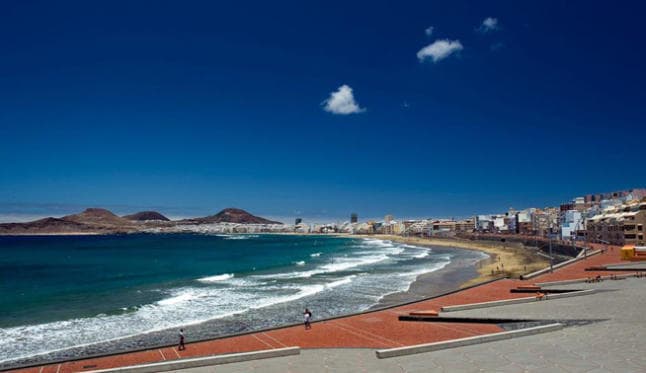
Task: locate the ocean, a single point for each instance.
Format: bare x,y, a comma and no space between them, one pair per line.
65,296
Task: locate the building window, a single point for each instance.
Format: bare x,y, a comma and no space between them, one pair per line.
640,227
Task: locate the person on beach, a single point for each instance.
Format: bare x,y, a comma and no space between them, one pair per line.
181,340
308,318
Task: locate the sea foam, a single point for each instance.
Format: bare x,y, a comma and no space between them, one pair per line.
216,278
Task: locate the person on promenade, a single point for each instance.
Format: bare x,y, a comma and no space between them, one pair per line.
181,340
308,318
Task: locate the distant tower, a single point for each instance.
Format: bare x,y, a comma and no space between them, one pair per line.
388,219
298,221
354,217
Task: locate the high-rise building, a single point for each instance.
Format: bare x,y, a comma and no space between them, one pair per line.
298,221
354,217
388,219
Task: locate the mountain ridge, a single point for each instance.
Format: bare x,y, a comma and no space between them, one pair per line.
96,220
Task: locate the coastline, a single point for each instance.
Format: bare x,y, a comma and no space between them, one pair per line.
462,270
452,277
505,259
37,234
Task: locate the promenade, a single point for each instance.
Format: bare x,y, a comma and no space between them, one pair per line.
348,343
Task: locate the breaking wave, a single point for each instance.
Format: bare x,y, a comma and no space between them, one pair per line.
216,278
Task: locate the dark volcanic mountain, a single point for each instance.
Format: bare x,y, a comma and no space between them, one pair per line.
231,215
146,215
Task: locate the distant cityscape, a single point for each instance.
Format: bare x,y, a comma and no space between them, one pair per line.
616,218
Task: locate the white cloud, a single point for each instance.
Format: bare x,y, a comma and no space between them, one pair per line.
439,50
489,24
342,102
429,31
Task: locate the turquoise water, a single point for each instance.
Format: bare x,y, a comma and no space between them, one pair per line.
64,291
45,279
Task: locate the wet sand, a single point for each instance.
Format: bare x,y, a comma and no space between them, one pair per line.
462,269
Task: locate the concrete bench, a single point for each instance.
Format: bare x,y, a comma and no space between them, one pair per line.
424,313
177,364
529,287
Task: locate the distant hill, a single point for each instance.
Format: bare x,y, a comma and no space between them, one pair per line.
146,215
97,217
231,215
92,220
46,225
102,221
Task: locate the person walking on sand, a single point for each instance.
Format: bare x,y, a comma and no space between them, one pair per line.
308,318
181,340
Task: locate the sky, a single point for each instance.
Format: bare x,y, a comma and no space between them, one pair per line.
318,109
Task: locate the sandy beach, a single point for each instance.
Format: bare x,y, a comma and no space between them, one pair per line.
505,259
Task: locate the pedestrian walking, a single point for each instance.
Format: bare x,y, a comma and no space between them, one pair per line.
308,318
181,340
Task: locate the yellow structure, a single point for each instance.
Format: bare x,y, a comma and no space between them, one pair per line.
633,253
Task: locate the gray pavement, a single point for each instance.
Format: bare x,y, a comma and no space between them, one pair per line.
615,343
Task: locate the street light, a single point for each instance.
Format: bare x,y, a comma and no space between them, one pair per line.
605,243
576,230
551,235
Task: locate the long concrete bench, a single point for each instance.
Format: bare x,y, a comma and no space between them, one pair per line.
580,280
428,347
562,264
169,365
497,303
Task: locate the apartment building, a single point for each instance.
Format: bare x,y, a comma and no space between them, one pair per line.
619,226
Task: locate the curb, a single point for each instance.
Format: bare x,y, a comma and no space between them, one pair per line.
571,294
203,361
562,264
428,347
496,303
580,280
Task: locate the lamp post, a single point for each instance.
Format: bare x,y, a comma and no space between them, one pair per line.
574,237
551,257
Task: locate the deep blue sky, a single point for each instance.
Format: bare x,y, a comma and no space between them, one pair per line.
191,106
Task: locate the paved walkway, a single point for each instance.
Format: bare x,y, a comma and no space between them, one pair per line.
614,344
373,330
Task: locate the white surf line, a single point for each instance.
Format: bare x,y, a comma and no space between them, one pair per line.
266,343
274,339
162,354
366,334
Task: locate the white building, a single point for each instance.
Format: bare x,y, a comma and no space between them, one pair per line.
571,221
